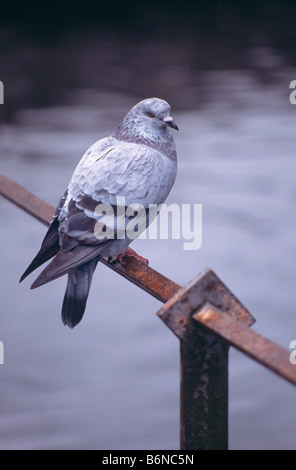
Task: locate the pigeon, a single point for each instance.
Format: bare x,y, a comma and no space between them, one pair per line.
138,162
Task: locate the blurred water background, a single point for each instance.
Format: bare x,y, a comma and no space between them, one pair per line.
113,382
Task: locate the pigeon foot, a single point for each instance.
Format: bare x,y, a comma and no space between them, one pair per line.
128,253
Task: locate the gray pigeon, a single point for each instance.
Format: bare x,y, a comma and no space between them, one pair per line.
137,162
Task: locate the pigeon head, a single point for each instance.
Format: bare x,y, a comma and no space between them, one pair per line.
147,122
152,113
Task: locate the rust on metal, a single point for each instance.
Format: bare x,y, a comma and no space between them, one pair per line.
207,286
146,278
136,272
267,353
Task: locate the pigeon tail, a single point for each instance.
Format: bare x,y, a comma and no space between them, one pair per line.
78,286
64,262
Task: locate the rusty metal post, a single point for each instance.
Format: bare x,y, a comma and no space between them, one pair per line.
204,361
203,391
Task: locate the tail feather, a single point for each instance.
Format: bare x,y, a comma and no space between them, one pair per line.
49,248
78,286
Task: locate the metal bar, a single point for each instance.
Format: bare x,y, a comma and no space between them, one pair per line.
204,391
146,278
26,200
136,272
262,350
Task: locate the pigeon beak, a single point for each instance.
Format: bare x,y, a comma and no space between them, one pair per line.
170,122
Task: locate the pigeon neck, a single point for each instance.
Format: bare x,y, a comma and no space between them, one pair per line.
163,142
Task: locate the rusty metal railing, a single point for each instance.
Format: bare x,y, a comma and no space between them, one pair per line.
207,319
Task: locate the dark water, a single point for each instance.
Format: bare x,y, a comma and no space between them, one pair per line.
113,382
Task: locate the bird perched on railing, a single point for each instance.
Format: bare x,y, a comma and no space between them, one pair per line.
138,162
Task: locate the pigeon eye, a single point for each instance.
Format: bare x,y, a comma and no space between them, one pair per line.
149,114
